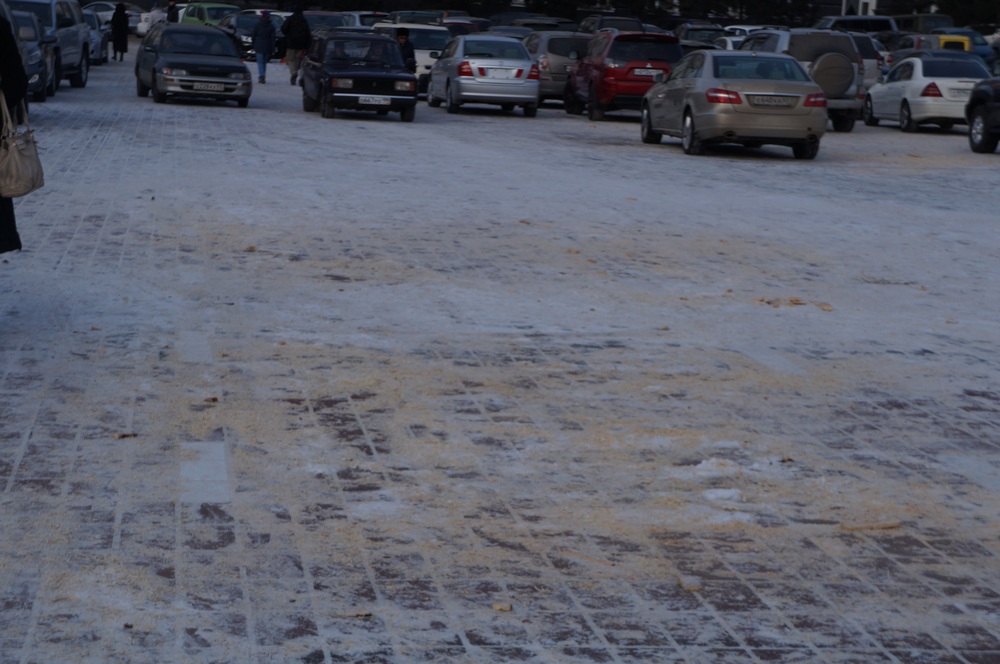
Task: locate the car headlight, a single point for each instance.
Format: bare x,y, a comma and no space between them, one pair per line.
341,82
405,86
170,71
240,75
246,40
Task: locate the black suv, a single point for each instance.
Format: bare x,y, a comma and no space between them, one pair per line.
357,71
982,112
597,22
64,20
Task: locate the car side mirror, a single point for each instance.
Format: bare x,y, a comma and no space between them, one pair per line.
64,22
434,55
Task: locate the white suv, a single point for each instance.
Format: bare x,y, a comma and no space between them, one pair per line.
832,60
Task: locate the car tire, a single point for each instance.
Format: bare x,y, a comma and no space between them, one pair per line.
158,97
981,140
868,113
432,101
646,131
53,83
506,108
842,121
807,150
326,109
452,105
906,122
79,79
140,89
530,111
571,104
408,113
595,112
309,105
689,136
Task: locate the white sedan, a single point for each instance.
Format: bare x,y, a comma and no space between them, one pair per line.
920,90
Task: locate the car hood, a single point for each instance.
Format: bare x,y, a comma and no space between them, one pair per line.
201,64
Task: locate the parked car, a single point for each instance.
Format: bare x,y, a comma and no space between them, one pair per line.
63,19
979,45
699,32
363,18
830,58
320,20
920,91
550,51
40,60
714,97
596,22
982,112
183,60
207,13
240,28
100,38
728,43
857,23
543,23
872,60
358,72
105,10
484,69
425,39
616,70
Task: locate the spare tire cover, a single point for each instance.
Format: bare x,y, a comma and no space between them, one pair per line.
833,72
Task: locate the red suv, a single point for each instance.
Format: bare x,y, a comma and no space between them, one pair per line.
617,69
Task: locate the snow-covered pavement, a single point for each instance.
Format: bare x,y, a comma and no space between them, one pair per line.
275,388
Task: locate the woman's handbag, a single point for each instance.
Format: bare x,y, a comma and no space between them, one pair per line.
20,167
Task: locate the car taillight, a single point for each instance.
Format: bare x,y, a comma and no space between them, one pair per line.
932,90
815,100
534,74
464,68
720,96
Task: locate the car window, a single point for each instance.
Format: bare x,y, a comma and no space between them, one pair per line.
760,68
217,13
318,21
92,20
810,46
621,23
954,69
565,45
901,73
531,43
630,50
175,41
484,48
865,46
429,40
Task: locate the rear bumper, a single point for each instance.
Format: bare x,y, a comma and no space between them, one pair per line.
481,92
772,129
925,109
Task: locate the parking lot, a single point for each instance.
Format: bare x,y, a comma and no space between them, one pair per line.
481,387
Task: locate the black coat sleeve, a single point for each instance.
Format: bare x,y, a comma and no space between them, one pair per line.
12,77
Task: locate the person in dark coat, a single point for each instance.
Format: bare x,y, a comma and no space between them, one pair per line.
264,38
173,12
297,40
119,32
14,84
406,48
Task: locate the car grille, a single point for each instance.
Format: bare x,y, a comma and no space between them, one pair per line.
371,86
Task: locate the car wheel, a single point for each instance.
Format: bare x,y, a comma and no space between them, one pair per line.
595,111
79,79
649,135
807,150
689,137
309,105
432,101
452,105
326,109
39,95
981,140
868,113
843,121
140,89
408,113
906,122
53,83
571,104
530,111
158,97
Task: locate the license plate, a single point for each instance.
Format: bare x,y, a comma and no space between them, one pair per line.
764,100
374,101
646,72
499,73
962,94
568,67
208,87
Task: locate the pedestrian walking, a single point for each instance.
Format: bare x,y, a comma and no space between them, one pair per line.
173,12
297,40
119,32
406,49
264,37
14,84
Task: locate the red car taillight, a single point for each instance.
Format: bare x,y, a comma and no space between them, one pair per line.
815,100
464,68
932,90
720,96
534,74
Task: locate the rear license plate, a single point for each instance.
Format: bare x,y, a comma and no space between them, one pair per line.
374,101
208,87
765,100
646,72
961,94
500,73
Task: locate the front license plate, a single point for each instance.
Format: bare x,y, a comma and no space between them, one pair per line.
208,87
374,101
646,72
764,100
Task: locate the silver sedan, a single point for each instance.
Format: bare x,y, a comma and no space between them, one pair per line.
736,97
484,69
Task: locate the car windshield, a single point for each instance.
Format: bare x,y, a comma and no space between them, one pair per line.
364,52
319,21
429,40
219,13
954,69
489,49
632,50
199,43
40,10
758,68
704,34
565,45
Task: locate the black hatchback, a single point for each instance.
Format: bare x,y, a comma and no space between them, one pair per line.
359,72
